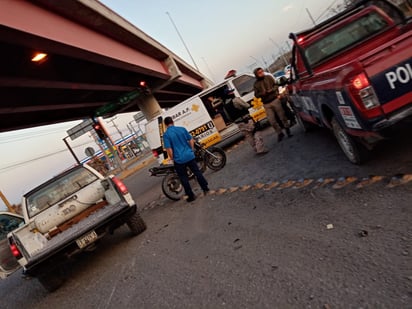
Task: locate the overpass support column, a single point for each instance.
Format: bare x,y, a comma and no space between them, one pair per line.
149,107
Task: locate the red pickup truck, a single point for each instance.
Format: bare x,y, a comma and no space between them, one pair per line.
353,74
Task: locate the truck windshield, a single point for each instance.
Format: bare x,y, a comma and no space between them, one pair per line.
244,84
353,33
58,189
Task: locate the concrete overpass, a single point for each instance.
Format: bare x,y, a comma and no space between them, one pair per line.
94,56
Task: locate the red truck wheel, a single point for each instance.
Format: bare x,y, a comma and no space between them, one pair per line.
353,150
305,126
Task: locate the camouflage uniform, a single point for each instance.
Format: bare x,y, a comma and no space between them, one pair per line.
255,139
247,127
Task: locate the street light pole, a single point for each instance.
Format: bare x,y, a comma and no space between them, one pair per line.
210,71
116,127
311,17
282,52
183,41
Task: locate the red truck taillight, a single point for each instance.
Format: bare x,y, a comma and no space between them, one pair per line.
14,250
120,185
364,96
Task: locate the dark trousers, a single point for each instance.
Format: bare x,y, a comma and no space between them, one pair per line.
181,170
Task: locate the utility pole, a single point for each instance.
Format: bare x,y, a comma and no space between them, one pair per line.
133,131
96,140
111,146
288,44
311,17
116,127
282,52
266,65
257,61
210,71
6,202
183,41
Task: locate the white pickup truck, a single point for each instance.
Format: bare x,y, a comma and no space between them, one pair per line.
61,218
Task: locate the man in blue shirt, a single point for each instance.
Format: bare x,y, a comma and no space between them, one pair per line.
180,145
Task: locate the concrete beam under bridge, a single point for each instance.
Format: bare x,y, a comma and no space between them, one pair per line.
94,57
30,18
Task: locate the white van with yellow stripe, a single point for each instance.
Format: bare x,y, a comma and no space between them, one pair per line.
204,121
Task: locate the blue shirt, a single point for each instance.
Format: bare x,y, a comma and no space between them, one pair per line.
178,139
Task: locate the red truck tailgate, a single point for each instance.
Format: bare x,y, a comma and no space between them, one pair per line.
390,71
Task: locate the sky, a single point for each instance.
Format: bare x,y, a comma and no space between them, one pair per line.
220,35
32,156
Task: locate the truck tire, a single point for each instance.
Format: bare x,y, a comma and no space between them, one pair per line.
352,149
304,125
52,279
136,224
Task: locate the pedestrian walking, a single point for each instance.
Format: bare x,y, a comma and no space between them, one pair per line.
265,88
180,145
249,128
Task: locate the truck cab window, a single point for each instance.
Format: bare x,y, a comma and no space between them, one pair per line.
359,30
58,190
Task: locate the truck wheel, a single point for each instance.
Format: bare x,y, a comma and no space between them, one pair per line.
353,150
52,280
302,123
136,224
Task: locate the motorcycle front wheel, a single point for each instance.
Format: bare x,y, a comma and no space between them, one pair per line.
172,187
215,158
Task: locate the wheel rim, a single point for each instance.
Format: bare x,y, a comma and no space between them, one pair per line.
174,185
345,144
216,160
173,188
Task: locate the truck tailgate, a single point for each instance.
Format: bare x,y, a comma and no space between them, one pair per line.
69,236
390,71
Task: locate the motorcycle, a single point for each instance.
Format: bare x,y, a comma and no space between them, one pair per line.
212,157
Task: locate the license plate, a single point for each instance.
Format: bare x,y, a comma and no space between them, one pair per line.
86,239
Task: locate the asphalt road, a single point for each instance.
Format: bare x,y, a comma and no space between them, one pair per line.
258,246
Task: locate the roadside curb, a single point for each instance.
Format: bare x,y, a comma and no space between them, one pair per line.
309,183
356,183
129,172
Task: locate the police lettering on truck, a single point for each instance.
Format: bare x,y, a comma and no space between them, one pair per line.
400,75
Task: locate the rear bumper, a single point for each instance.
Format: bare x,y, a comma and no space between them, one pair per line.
64,245
394,118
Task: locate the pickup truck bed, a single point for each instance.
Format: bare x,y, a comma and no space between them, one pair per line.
63,217
101,221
